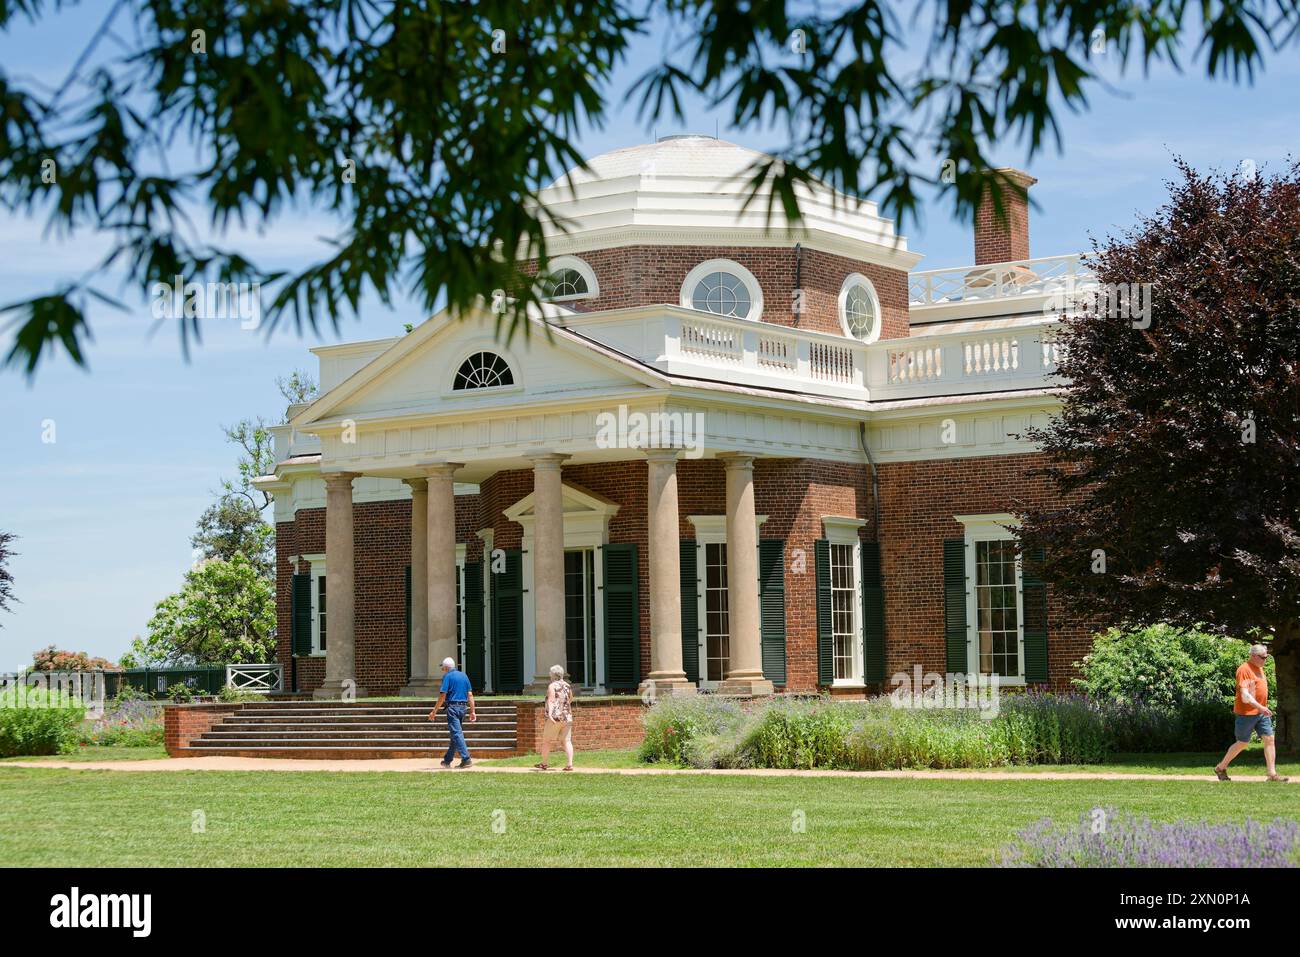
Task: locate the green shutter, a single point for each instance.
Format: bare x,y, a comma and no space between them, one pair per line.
407,577
508,624
622,617
954,605
300,615
690,598
1034,601
825,636
771,608
473,664
873,615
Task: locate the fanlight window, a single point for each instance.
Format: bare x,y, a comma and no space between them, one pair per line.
566,282
483,370
859,312
722,294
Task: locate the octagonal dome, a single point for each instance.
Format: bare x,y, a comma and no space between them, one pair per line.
691,190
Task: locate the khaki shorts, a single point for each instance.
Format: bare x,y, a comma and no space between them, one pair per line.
557,733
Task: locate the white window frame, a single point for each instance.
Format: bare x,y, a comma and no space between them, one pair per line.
482,345
857,279
990,528
694,277
317,570
582,268
843,530
711,530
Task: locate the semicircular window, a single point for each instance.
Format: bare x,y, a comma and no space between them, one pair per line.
483,370
722,294
567,282
859,312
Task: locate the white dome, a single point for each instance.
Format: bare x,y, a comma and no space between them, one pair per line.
692,190
696,157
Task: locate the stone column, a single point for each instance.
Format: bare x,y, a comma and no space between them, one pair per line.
340,582
548,566
745,667
663,534
442,597
421,682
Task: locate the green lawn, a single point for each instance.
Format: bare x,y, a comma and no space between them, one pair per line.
101,754
90,818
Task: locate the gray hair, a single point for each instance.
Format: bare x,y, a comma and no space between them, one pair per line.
557,672
1259,649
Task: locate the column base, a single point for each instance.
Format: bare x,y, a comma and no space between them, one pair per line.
538,685
332,690
745,686
420,688
665,686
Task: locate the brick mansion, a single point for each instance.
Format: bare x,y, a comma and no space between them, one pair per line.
732,454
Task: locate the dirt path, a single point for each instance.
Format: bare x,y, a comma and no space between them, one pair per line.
426,764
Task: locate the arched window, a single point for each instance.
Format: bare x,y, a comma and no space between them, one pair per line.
567,278
483,370
724,288
565,283
860,308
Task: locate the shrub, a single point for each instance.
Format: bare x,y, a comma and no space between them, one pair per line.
125,724
1052,729
229,694
36,721
1105,837
792,733
674,722
127,693
1161,665
180,693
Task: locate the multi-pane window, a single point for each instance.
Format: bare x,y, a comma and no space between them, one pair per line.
320,612
580,615
859,312
717,646
997,612
483,370
567,282
844,604
723,294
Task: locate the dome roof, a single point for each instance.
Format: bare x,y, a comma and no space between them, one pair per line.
693,190
696,157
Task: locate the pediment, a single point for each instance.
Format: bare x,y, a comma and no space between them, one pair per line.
575,501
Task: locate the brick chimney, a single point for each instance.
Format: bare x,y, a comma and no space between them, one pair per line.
1006,239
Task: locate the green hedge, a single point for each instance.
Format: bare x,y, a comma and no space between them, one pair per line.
35,721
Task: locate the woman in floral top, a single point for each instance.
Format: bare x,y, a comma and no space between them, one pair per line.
559,718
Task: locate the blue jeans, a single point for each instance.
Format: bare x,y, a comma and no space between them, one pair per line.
455,716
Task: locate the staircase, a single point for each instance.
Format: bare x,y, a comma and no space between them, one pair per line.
367,729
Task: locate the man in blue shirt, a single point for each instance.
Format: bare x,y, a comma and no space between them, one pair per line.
456,694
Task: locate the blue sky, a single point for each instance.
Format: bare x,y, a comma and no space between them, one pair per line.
105,511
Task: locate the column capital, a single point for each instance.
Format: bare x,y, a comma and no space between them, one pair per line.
664,455
440,469
546,460
339,480
416,484
736,460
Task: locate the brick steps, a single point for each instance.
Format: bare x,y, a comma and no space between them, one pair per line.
330,729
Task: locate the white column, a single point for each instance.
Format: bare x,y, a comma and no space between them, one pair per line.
340,580
442,597
745,666
548,566
421,682
663,534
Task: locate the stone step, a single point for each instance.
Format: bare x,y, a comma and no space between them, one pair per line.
417,713
429,744
336,754
223,734
479,725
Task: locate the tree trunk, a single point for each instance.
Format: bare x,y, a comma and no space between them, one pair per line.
1285,649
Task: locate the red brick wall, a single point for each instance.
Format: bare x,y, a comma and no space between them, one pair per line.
597,725
1006,239
641,275
182,723
918,502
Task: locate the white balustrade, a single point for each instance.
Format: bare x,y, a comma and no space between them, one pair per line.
920,364
263,678
991,356
712,340
830,362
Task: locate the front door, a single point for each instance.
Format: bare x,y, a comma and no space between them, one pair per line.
580,616
715,636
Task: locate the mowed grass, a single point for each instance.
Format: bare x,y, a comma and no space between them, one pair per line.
101,753
90,818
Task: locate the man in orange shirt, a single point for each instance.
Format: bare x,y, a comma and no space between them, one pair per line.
1253,714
